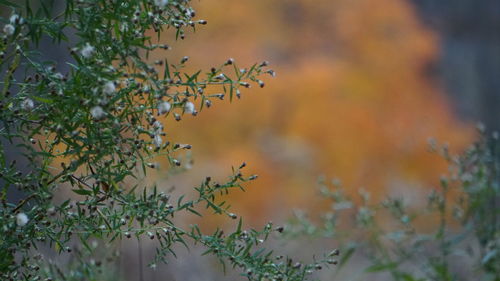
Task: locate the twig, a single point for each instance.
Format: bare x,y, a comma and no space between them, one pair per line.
24,201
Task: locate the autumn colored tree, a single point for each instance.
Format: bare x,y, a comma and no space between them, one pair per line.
354,100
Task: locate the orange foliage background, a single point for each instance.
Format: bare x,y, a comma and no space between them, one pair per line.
353,99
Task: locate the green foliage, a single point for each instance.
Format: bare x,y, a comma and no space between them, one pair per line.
454,235
102,122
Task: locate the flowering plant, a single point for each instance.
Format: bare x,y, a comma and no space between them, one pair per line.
96,129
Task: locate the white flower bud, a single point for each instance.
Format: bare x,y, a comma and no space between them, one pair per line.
97,112
21,219
9,29
161,3
158,126
87,51
164,107
59,76
27,104
16,19
157,141
109,88
189,107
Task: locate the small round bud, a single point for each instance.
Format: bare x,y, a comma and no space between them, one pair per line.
164,107
109,88
189,107
161,3
21,219
332,261
97,113
27,104
9,29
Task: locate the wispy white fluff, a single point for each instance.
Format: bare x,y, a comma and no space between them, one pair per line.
157,140
9,29
109,88
27,104
21,219
164,107
161,3
97,112
189,107
87,51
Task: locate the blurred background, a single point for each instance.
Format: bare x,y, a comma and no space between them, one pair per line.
360,88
